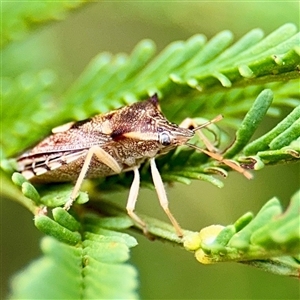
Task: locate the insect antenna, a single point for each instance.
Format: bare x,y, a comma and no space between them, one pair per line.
214,120
209,145
233,165
212,151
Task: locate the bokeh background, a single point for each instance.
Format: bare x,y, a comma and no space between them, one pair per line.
166,272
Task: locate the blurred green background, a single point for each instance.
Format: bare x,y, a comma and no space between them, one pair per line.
165,272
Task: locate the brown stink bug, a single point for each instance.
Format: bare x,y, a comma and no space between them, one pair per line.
111,143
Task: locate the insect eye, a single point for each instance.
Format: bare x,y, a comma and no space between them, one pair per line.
164,138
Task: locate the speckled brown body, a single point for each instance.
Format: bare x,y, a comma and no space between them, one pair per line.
112,143
130,135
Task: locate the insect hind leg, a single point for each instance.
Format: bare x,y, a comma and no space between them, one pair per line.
103,157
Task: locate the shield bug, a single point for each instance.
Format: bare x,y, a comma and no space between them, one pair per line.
111,143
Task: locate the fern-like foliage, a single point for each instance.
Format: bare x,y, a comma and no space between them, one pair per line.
112,81
34,93
92,260
183,69
270,240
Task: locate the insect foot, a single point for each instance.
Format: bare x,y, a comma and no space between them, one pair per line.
69,203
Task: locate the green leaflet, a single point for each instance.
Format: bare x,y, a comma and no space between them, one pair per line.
62,217
250,123
52,228
28,189
51,197
281,135
287,137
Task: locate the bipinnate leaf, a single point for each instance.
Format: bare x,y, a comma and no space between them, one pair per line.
193,78
91,267
84,254
270,240
184,70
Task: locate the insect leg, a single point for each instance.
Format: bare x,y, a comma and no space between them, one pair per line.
230,163
106,158
211,150
188,122
103,157
162,196
133,193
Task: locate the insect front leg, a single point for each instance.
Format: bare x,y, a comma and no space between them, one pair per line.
188,122
211,150
162,196
103,157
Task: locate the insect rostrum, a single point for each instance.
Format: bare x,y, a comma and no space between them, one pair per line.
107,144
